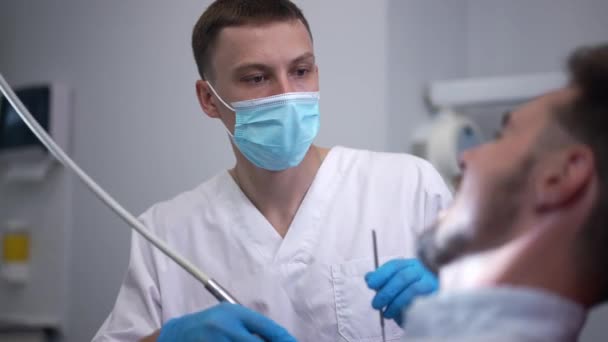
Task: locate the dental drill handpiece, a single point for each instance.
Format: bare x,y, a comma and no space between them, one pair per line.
211,285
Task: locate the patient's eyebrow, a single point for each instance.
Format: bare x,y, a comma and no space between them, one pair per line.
506,118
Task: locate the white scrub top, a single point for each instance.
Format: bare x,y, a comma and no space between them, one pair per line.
312,280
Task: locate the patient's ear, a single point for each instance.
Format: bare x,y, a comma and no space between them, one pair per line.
564,177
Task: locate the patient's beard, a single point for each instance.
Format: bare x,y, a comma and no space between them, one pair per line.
492,227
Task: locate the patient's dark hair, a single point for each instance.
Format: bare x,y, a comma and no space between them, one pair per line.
586,119
225,13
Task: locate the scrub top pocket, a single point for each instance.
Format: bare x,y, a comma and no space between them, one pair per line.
357,320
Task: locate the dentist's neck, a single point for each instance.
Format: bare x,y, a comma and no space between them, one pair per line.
278,194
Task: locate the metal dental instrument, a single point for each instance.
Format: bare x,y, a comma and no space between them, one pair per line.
211,285
375,246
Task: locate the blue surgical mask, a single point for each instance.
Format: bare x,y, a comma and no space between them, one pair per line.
275,132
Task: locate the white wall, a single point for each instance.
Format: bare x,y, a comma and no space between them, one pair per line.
525,36
426,42
528,36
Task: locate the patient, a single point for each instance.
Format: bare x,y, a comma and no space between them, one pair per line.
522,253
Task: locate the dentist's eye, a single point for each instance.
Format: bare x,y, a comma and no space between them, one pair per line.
255,79
302,72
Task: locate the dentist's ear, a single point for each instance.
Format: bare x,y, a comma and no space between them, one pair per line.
564,177
205,99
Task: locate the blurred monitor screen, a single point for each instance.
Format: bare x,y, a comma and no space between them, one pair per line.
14,133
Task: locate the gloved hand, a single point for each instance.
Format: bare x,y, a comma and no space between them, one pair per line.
222,323
397,283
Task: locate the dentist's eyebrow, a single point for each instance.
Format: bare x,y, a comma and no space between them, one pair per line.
306,57
250,66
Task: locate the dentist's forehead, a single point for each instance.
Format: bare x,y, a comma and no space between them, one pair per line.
277,42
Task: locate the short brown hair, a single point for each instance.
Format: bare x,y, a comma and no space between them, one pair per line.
586,119
225,13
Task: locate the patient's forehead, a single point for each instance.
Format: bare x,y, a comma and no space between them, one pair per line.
537,112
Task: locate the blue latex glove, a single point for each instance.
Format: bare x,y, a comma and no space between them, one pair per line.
397,283
224,322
